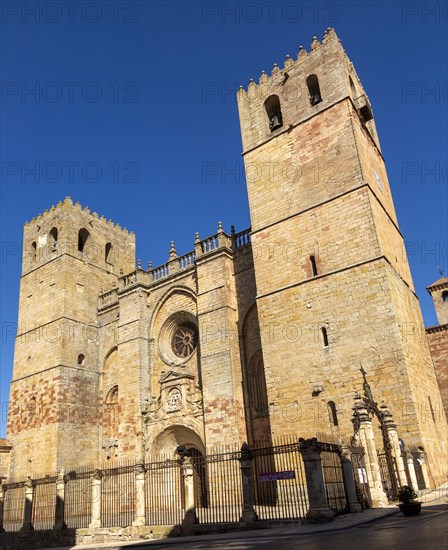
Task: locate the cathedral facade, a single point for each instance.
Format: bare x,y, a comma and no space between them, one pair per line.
250,336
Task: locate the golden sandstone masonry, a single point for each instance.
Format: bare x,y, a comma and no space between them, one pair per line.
251,335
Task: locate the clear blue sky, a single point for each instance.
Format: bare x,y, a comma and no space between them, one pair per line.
134,97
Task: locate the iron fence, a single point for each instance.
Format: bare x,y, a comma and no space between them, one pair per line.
44,501
118,496
388,471
360,476
218,481
78,498
279,482
334,478
14,506
164,492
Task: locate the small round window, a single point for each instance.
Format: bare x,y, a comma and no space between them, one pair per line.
184,340
178,338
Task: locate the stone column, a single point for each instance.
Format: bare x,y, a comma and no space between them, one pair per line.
2,505
140,517
367,440
395,443
422,460
96,500
350,487
318,510
411,468
190,511
249,514
60,500
28,513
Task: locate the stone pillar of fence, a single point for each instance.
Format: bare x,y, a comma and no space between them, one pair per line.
367,440
140,517
96,499
424,468
2,505
28,512
411,469
318,510
249,515
188,475
395,442
349,480
60,501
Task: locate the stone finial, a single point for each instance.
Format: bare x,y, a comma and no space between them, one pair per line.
288,62
264,77
302,53
232,230
173,253
220,227
275,69
149,266
197,239
68,201
139,264
315,43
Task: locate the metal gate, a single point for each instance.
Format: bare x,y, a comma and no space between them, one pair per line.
388,471
360,476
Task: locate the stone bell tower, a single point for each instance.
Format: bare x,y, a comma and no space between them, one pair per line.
334,289
69,254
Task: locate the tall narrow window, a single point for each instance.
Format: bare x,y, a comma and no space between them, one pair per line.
83,236
54,237
333,413
81,359
352,87
313,89
34,249
272,106
325,336
313,265
445,295
432,410
109,253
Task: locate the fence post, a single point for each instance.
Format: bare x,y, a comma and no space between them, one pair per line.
391,428
96,499
60,499
422,461
367,441
249,514
140,517
350,487
318,510
411,469
187,471
2,505
28,513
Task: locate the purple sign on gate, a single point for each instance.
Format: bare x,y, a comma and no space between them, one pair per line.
274,476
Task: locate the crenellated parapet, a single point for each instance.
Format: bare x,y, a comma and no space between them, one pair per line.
303,87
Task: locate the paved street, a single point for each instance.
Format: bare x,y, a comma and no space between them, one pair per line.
428,531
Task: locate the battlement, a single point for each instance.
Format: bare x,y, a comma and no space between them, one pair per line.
329,38
315,81
62,207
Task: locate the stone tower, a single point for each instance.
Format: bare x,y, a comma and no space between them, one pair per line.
69,255
334,289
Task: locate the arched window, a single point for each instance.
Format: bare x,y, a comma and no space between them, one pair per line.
81,359
109,253
445,295
431,409
256,382
352,87
34,250
54,237
313,89
110,413
83,236
333,413
313,265
325,336
272,106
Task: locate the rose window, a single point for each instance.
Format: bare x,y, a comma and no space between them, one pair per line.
184,340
